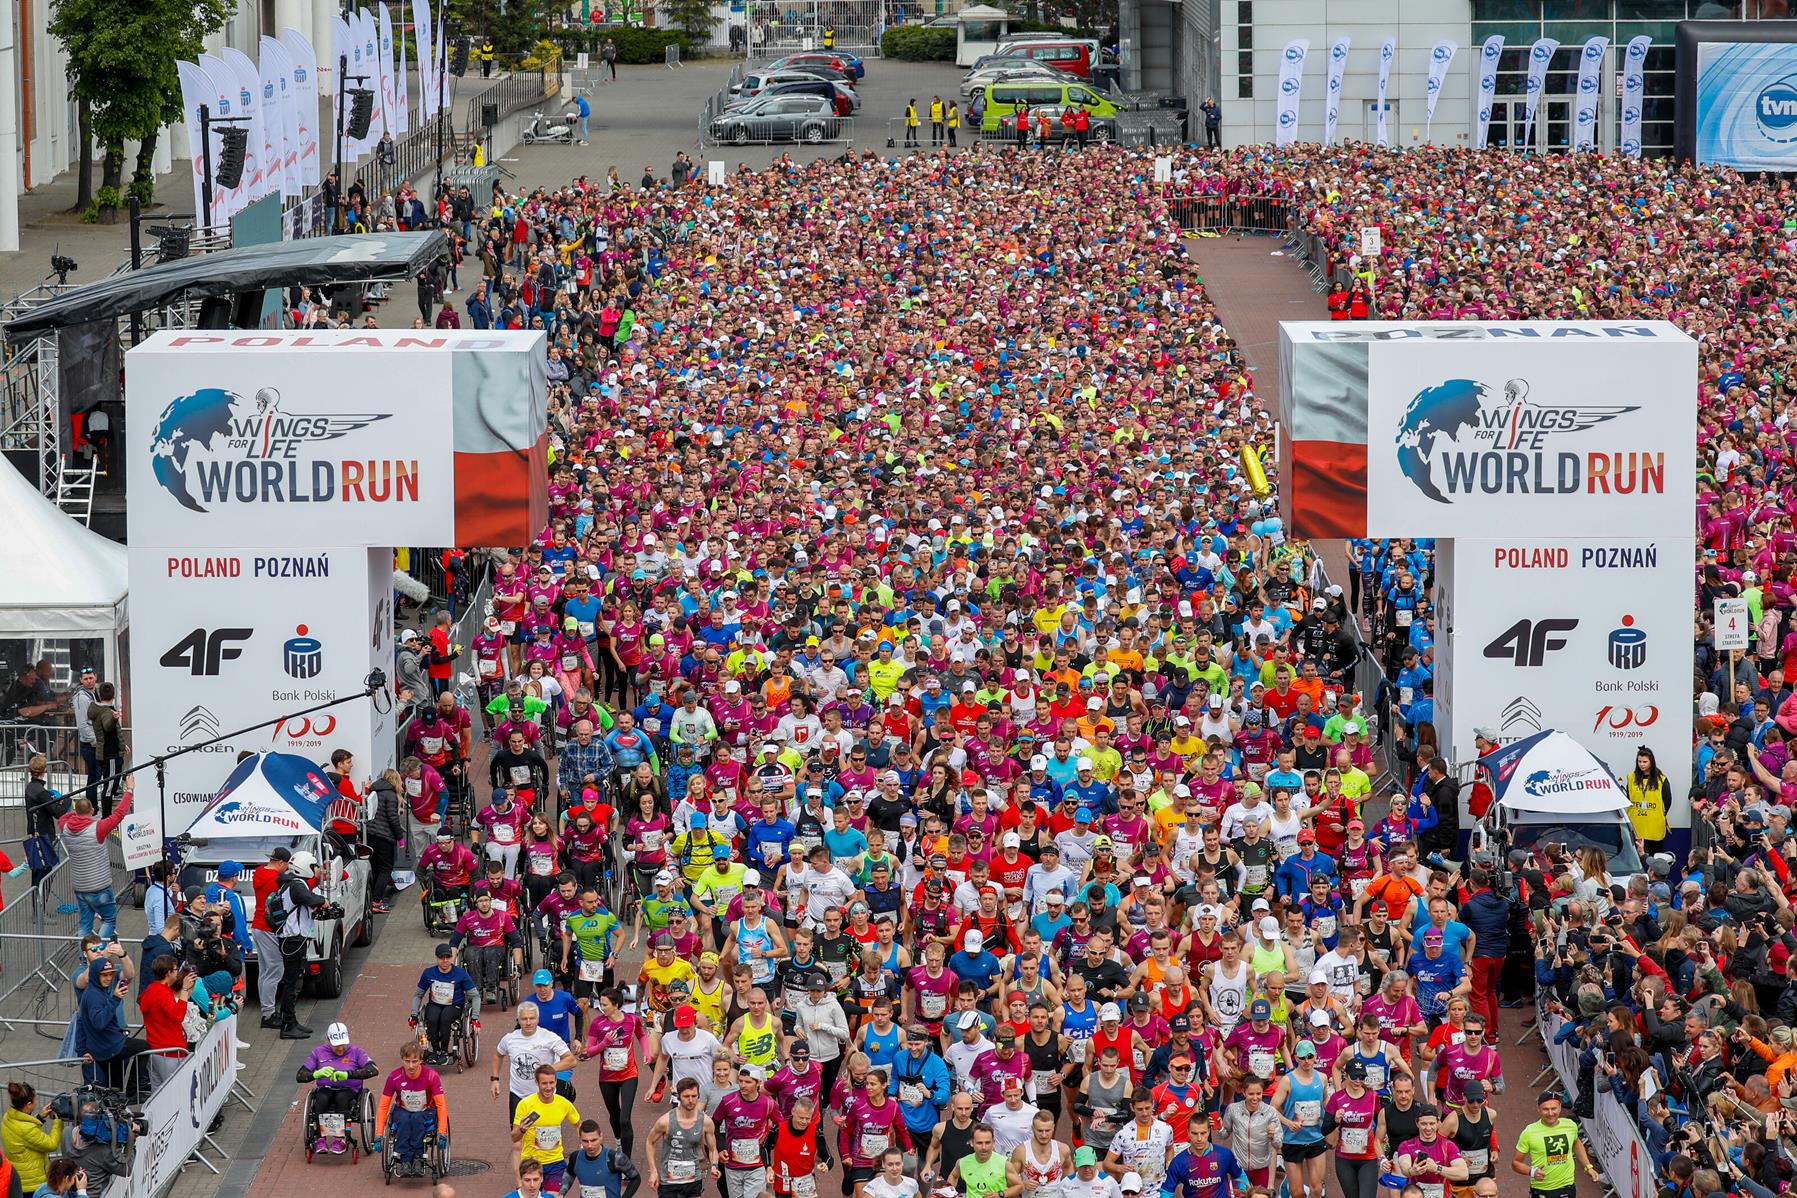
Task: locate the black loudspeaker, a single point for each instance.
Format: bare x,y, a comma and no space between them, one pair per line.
489,115
232,140
215,312
361,111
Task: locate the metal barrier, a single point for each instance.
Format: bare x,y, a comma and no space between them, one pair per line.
818,130
670,55
1232,214
57,743
40,950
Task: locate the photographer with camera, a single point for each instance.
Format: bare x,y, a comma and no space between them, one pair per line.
29,1133
295,908
65,1179
164,1006
208,950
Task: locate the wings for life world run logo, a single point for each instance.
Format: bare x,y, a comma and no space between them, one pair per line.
1547,784
1461,438
214,448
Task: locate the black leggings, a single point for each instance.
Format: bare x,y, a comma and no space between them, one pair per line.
827,1083
620,1099
1358,1179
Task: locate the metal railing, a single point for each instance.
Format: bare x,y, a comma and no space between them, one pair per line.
40,950
60,747
1232,214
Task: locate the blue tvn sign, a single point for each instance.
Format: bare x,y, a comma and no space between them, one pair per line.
1776,108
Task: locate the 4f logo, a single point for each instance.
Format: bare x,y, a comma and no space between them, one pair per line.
1528,642
202,652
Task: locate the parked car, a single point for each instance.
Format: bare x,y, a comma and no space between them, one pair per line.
756,83
1103,129
1073,57
847,64
779,118
841,94
978,80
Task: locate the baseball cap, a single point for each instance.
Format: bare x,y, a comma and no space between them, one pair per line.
1307,837
1318,975
1004,1033
1082,816
1209,911
1261,904
443,950
972,941
1259,1009
1269,927
1084,763
968,1019
818,981
1084,1155
1474,1090
228,869
1355,1069
280,853
337,1034
754,1071
1109,1013
685,1016
1138,1002
1012,840
1131,1183
1038,762
542,977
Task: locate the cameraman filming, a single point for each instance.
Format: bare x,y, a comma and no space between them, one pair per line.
213,955
298,908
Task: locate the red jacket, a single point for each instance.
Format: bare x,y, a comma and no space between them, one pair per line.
162,1010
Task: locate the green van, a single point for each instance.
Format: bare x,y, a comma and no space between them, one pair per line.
1002,99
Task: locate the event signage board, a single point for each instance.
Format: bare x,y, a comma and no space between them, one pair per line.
1581,635
301,438
179,1112
222,639
1746,104
1732,624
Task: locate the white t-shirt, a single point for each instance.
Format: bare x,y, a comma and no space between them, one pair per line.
824,890
1102,1185
690,1058
1010,1127
1343,973
879,1187
525,1053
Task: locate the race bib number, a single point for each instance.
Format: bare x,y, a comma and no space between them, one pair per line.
443,993
934,1004
587,628
1375,1076
1257,875
1140,1057
489,668
651,839
542,867
1432,1189
414,787
1354,1140
745,1151
616,1059
570,662
331,1125
1405,616
500,906
1308,1112
837,970
804,1186
412,1100
1260,1062
1014,912
1477,1161
1076,1051
1045,1080
509,627
682,1172
549,1138
1405,695
433,745
519,774
1324,927
504,833
873,1143
721,896
592,971
1357,887
911,1095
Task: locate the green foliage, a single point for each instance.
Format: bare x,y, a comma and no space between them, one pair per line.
693,16
1020,25
514,25
914,43
122,59
107,202
635,45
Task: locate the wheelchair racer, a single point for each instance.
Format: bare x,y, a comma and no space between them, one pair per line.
337,1070
489,932
412,1101
446,868
443,991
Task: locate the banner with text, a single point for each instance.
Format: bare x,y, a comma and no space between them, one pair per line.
221,639
349,437
1591,82
1540,55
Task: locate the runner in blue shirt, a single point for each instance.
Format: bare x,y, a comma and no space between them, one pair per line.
1202,1169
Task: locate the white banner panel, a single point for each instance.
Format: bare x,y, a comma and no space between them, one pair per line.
1291,89
1540,55
1387,52
1332,100
1634,89
1486,91
178,1113
221,639
305,91
299,439
1583,428
1591,81
1589,636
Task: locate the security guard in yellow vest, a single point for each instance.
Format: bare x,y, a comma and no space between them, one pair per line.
486,58
935,120
911,124
954,121
829,37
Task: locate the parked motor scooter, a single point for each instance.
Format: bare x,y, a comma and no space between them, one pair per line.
552,132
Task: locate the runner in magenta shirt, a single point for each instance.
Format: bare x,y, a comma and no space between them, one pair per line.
1430,1161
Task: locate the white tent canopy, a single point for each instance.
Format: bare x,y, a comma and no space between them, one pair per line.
67,581
1550,773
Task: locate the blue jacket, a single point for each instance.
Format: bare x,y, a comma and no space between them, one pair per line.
1488,915
933,1075
479,314
1292,878
582,107
610,1170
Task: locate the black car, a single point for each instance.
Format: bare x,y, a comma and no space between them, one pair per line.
803,118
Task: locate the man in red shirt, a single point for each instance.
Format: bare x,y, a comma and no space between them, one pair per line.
441,660
267,943
164,1004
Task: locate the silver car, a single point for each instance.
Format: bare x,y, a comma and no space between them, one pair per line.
779,118
980,78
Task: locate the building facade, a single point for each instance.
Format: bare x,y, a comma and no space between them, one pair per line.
1250,36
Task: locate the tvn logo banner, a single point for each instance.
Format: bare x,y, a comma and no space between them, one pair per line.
297,439
1588,438
1747,105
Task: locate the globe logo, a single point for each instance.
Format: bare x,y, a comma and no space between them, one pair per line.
1586,116
1631,115
1386,51
1488,83
1338,52
1335,85
1289,86
1287,119
1532,85
1588,85
1631,145
1294,54
1434,86
1484,116
1441,54
1594,52
1492,51
1540,53
1776,107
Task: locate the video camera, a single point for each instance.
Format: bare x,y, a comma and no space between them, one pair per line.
101,1115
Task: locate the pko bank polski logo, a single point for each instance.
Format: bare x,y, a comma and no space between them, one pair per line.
1775,110
1461,438
213,448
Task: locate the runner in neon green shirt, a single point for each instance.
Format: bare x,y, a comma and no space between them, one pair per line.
1546,1147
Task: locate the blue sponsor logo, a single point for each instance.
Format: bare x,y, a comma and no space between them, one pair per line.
268,91
1488,83
1434,86
1441,54
1484,116
1492,52
1588,85
1631,145
1586,116
1631,115
1532,85
1338,52
299,74
1386,51
1540,53
1335,85
1294,54
1290,86
1776,107
1287,119
1594,52
224,106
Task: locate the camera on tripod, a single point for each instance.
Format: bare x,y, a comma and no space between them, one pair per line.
101,1114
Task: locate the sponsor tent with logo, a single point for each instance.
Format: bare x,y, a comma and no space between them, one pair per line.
64,598
269,799
1551,788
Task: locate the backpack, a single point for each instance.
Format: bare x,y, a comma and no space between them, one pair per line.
276,908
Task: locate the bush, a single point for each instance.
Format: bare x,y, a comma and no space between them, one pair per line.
913,43
635,45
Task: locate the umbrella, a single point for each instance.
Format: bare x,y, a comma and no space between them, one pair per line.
1552,772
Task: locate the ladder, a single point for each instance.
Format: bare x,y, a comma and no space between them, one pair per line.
75,493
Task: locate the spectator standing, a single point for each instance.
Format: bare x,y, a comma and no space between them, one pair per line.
585,112
109,743
164,1005
1213,123
295,905
608,54
43,807
267,938
386,827
83,841
81,700
29,1133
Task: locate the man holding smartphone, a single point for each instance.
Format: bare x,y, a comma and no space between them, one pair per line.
537,1124
164,1004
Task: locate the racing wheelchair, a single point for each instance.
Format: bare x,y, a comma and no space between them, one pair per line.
443,906
436,1158
356,1130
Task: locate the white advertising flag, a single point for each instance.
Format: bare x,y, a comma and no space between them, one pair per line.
371,66
271,90
1489,54
249,103
389,95
421,39
305,107
226,102
1441,57
277,67
1540,55
1591,82
1332,100
1634,88
1291,89
1386,53
196,89
402,91
343,59
439,82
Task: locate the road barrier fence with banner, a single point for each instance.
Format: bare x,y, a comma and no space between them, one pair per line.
1617,1148
179,1115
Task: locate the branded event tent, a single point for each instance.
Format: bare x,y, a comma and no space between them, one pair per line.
66,588
1552,773
268,796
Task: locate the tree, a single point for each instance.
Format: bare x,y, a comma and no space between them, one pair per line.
695,17
122,73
